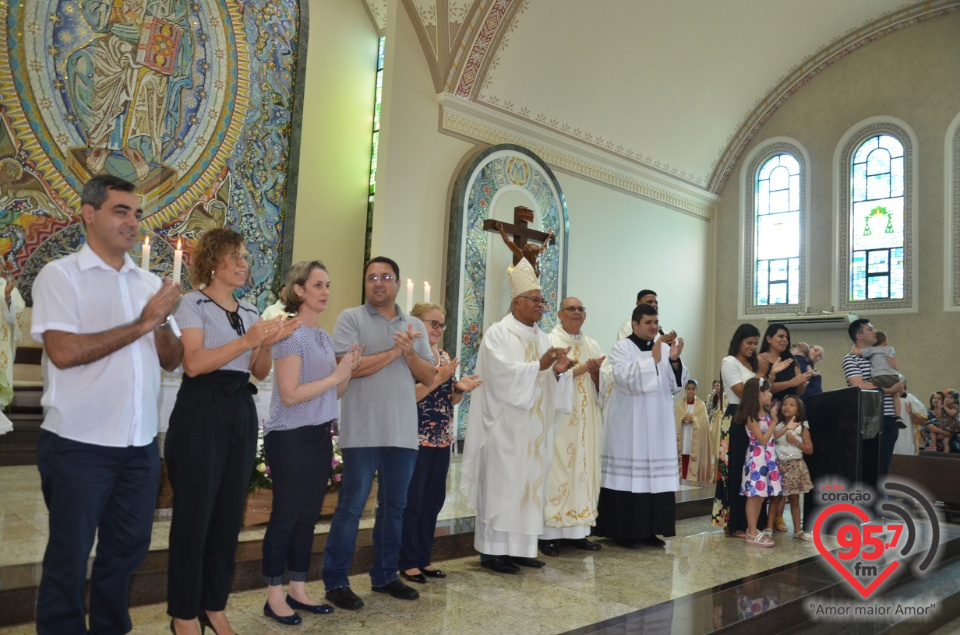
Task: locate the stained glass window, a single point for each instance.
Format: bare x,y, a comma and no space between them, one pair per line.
777,231
876,220
375,147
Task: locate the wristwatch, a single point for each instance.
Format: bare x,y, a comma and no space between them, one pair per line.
165,323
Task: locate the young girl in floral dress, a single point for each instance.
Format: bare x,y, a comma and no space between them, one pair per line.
761,475
793,441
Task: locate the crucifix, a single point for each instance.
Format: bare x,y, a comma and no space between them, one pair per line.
521,234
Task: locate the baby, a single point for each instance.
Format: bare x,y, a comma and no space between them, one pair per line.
882,374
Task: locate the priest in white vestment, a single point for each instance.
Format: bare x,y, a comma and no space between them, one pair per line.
573,484
639,458
510,428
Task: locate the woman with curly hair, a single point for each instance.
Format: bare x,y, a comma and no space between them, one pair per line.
212,439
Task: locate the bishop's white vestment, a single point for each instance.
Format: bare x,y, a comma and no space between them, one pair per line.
510,427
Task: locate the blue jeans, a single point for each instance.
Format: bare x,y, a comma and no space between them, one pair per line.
890,434
299,462
92,490
394,467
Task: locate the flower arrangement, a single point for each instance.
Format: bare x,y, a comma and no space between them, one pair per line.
260,476
336,472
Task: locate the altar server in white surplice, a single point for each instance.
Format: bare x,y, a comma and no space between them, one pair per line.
510,428
639,459
573,484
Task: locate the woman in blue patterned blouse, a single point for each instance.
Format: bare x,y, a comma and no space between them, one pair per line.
308,381
428,486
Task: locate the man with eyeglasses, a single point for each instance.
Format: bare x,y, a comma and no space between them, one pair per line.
573,483
512,420
378,432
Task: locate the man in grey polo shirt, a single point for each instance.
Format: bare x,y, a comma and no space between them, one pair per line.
378,432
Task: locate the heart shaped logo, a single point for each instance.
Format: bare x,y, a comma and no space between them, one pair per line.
865,591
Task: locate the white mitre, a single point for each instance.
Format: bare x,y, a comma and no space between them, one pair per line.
523,279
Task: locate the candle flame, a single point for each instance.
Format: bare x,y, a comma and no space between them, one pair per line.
146,241
178,244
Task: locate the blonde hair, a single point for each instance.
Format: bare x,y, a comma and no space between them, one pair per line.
298,275
421,308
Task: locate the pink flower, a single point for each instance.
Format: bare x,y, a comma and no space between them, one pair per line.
337,478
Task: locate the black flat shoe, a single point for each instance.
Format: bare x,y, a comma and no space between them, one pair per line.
584,544
533,563
289,620
419,578
501,564
652,541
398,590
319,609
344,598
549,547
435,573
630,544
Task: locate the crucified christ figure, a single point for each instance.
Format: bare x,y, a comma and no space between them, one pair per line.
529,251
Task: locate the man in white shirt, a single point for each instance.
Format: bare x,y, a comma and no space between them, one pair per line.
105,326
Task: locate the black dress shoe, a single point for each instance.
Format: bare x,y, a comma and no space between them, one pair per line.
584,544
549,547
419,578
533,563
288,620
501,564
652,541
319,609
344,598
433,573
398,590
630,544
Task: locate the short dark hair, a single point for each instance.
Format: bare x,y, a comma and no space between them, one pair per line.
743,332
855,328
644,292
95,191
640,310
881,338
386,261
692,382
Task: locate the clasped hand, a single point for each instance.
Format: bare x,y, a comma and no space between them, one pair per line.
349,362
557,358
404,340
160,305
268,332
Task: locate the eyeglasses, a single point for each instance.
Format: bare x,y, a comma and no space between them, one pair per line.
437,325
387,277
535,300
241,259
576,309
235,322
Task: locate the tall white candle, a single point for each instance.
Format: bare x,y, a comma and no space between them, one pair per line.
145,254
409,295
426,291
177,263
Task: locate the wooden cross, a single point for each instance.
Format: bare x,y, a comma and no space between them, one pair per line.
519,230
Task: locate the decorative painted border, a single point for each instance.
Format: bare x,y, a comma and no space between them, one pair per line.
475,189
482,123
843,217
813,66
749,269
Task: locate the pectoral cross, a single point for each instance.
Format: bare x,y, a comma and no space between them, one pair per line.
521,234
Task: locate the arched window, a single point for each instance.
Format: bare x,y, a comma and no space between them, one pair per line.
774,223
875,220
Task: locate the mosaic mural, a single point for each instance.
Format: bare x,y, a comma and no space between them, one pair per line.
191,100
494,169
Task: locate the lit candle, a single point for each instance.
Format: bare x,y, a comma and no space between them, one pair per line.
426,291
177,263
145,255
409,295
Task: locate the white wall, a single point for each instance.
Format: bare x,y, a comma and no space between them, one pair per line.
620,244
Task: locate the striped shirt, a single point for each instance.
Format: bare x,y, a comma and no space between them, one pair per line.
853,366
197,311
317,361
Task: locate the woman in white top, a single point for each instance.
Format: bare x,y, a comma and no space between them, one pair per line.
740,364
